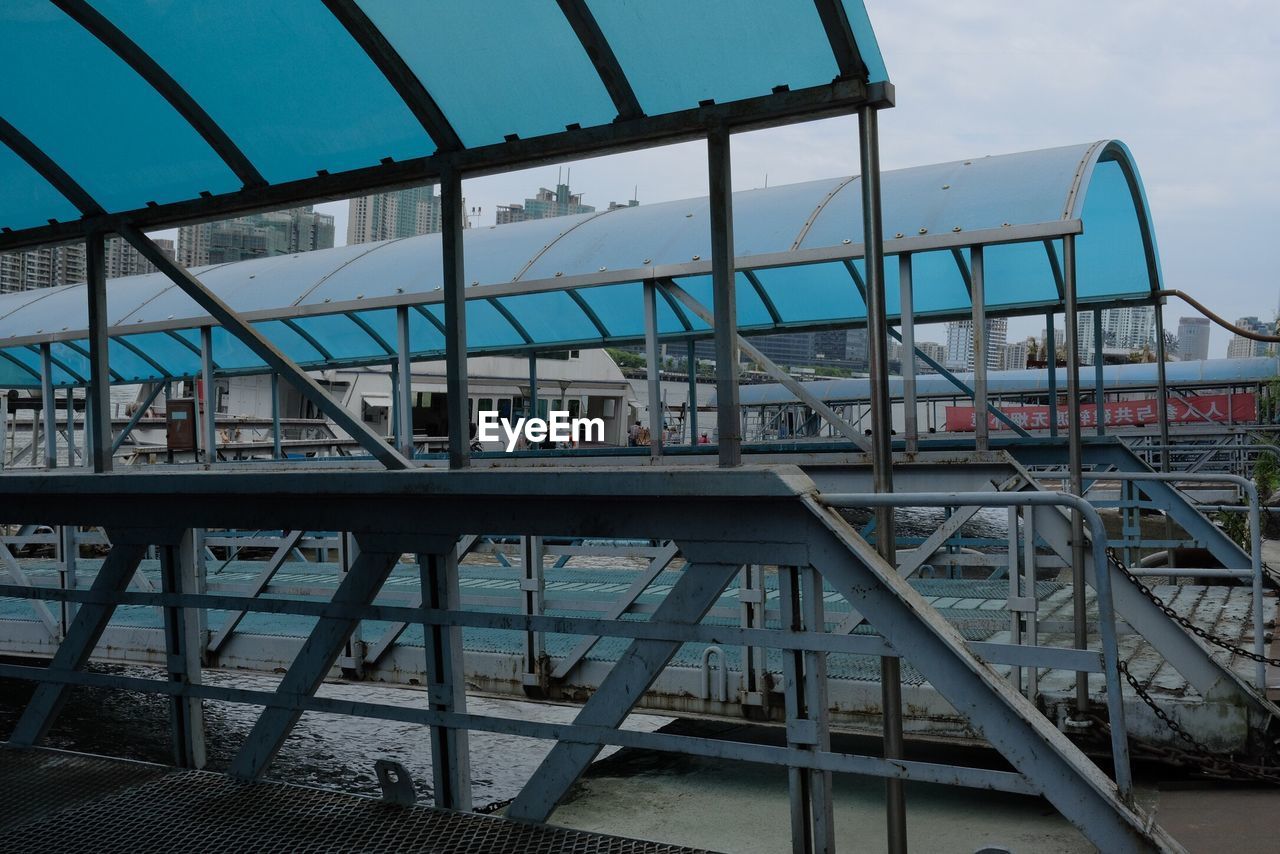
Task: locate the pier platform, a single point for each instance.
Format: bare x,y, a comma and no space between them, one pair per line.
75,802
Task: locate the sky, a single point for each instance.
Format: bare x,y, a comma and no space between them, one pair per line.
1192,87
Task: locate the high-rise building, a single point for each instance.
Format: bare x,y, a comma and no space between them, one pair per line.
546,204
960,344
1016,354
123,260
255,236
1131,328
935,351
42,268
388,216
1193,338
1244,348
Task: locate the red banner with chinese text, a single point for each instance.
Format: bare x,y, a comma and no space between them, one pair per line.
1217,408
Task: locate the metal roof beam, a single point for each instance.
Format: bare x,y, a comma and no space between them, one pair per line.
602,57
398,73
590,312
840,35
160,80
511,319
51,172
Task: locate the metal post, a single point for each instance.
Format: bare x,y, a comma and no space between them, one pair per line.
1162,414
71,426
907,310
533,587
981,438
446,683
1099,385
210,396
179,573
98,398
691,368
455,318
1080,615
404,386
881,450
48,409
275,416
1051,359
653,367
720,182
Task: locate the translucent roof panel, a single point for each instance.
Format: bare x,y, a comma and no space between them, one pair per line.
803,249
139,151
474,58
744,48
290,87
206,110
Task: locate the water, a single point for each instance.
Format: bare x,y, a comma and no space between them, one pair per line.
324,750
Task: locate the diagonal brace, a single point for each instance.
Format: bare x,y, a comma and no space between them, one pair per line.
685,604
312,664
82,637
256,587
19,576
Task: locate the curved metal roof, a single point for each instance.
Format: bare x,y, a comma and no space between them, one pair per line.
159,112
575,281
1210,373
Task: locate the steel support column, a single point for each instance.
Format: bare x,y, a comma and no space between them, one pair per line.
907,311
98,395
314,661
1099,382
455,318
1080,616
1051,360
691,368
275,417
720,200
209,405
978,293
1162,388
446,685
533,598
48,409
71,426
82,636
179,573
881,448
403,387
653,367
686,603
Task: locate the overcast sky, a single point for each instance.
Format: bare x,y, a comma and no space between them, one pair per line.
1193,87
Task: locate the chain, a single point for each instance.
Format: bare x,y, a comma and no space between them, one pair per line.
1196,753
1222,642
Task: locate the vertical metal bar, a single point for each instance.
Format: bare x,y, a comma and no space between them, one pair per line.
1080,615
179,574
98,400
48,409
533,587
981,438
404,388
4,425
1099,382
1051,360
1015,595
1029,590
1162,390
455,318
446,685
275,416
653,367
881,450
395,403
210,396
720,181
71,426
907,308
691,368
534,404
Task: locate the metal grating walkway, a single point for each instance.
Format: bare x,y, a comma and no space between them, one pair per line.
72,802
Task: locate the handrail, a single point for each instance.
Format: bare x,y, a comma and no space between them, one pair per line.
1199,306
1106,613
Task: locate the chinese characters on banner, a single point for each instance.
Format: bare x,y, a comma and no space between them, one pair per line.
1122,413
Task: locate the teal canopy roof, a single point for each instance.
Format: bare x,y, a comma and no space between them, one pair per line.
166,111
576,281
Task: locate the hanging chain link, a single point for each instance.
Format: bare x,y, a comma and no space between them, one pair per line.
1196,754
